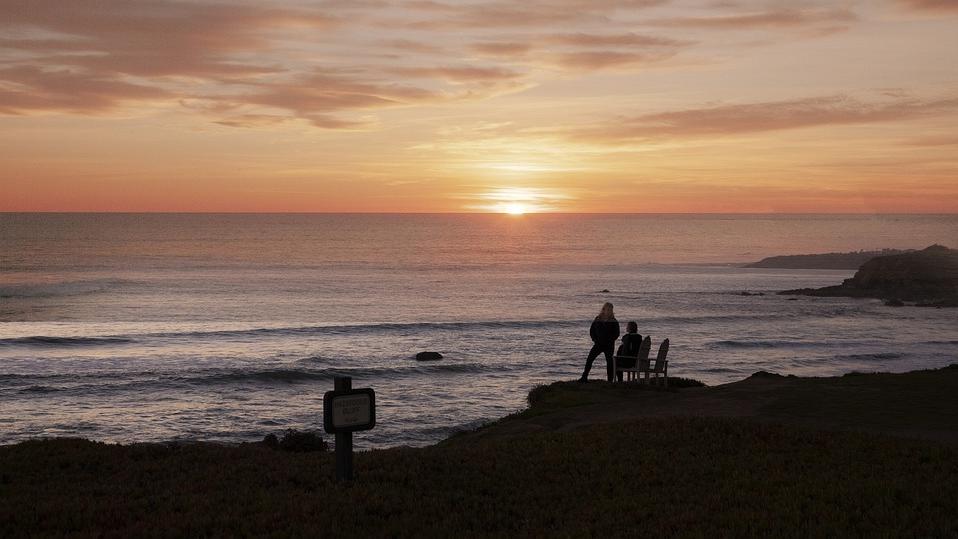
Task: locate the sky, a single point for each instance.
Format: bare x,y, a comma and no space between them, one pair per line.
635,106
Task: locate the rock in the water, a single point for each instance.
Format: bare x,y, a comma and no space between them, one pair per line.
604,291
894,302
428,356
929,276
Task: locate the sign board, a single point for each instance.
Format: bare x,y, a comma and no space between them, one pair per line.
349,410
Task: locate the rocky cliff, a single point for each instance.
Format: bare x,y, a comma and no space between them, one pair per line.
927,277
852,260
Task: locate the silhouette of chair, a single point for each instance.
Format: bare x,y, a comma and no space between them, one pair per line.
661,366
630,372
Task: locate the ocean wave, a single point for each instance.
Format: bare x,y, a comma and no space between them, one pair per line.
756,315
44,341
372,328
876,356
352,329
114,382
58,289
762,344
717,370
282,374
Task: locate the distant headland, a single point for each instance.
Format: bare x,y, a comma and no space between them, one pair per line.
851,260
929,278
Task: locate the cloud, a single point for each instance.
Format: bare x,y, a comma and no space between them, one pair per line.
500,14
458,74
319,96
760,117
252,120
931,5
933,140
502,48
151,37
594,60
80,55
249,63
781,18
243,61
25,88
606,40
409,45
580,52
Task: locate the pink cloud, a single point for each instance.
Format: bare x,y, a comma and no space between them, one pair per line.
931,5
779,18
760,117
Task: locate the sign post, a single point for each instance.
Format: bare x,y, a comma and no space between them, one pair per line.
346,410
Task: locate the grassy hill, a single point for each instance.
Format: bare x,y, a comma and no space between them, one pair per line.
564,467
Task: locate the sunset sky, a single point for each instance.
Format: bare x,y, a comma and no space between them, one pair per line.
445,106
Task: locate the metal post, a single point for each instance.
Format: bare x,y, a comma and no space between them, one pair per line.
344,440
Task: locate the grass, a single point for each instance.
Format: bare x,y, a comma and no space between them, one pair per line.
544,399
688,477
693,477
921,400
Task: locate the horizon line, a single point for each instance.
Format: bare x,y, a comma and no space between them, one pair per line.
517,216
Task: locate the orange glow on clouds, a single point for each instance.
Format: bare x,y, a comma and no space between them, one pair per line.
480,106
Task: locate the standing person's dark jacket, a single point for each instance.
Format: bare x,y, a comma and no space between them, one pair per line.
604,332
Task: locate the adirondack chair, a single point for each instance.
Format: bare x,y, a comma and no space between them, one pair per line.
630,373
661,366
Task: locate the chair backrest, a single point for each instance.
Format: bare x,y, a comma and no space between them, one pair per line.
645,348
663,352
643,361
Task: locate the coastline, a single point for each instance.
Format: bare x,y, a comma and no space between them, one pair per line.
765,455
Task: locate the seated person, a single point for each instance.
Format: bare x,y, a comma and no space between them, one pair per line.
628,351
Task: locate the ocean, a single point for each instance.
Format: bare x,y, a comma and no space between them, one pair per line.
228,327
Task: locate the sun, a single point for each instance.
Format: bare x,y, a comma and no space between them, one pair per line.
514,208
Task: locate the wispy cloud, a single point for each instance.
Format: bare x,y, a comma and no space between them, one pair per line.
779,18
26,88
530,13
931,5
255,64
459,74
601,59
760,117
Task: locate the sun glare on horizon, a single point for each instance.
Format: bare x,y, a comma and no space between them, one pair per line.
515,208
519,200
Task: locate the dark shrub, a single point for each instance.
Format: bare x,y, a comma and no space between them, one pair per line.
535,394
271,441
302,441
678,381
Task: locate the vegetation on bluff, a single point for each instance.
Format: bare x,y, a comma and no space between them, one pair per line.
646,475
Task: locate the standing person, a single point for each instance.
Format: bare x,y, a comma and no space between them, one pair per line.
604,332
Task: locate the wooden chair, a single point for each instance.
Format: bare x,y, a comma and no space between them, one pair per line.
661,365
630,373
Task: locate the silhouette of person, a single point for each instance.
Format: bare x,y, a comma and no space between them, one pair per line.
628,351
604,332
